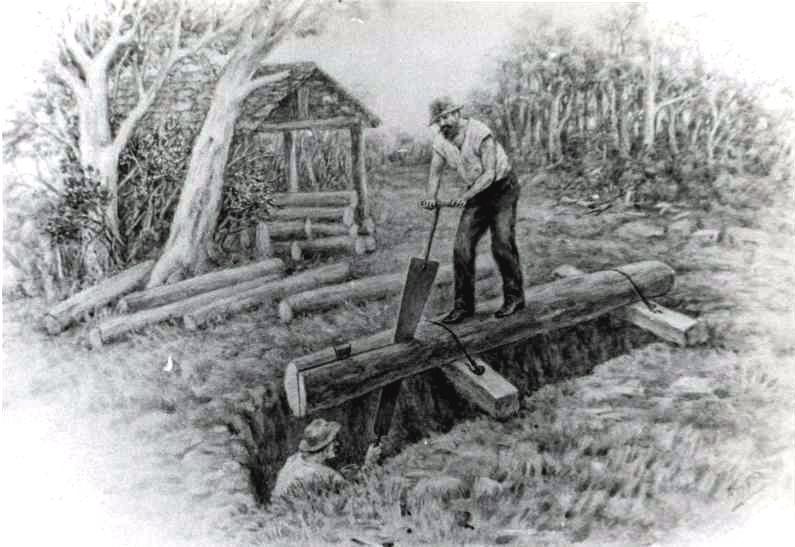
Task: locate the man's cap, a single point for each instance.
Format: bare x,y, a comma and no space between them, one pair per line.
318,435
441,106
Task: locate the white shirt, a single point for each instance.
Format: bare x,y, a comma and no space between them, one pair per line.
467,160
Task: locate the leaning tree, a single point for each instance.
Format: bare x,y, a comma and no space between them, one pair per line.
256,31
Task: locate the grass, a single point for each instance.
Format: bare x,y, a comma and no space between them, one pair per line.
647,443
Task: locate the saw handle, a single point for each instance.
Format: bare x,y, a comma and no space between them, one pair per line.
433,230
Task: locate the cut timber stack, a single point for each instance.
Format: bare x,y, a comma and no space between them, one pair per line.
369,288
70,310
166,294
310,222
122,324
268,292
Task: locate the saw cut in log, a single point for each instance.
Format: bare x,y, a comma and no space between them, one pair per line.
166,294
664,323
338,214
490,392
65,313
336,244
308,279
312,383
369,288
115,326
315,199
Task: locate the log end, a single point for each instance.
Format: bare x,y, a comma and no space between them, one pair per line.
189,322
348,216
295,391
359,246
368,226
308,228
95,338
354,230
52,325
369,244
285,311
697,334
295,251
122,306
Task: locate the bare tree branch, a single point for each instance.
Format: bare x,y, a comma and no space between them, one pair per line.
251,86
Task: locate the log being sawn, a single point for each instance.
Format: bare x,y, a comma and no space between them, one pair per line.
665,323
328,378
337,214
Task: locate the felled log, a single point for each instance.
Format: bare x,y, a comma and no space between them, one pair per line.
113,327
309,279
369,288
315,199
166,294
665,323
313,382
65,313
339,214
289,229
335,244
324,229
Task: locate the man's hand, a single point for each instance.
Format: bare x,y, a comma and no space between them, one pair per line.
459,203
429,204
373,455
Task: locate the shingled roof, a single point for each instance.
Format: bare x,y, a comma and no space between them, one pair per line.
324,98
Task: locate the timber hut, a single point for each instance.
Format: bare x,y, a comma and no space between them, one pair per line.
308,98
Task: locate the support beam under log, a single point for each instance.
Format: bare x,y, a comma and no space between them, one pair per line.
315,381
665,323
490,392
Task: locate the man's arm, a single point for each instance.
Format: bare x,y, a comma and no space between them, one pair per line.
488,153
434,176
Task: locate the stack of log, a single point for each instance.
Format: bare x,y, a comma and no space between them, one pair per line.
193,300
305,223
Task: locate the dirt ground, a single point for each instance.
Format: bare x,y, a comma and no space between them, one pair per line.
105,447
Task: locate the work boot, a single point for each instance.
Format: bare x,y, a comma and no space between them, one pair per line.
456,316
508,308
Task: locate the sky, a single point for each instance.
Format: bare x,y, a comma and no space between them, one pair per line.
399,59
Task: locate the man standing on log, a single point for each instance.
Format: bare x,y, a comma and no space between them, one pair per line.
489,202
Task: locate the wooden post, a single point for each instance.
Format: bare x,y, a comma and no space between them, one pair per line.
359,172
262,241
290,161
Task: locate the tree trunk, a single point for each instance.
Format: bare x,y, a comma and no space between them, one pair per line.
290,161
269,292
321,380
553,129
649,100
70,310
673,144
166,294
188,249
359,173
359,290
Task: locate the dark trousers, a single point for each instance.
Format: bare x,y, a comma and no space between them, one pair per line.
495,209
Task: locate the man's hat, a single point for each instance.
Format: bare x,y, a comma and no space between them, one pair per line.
318,435
441,106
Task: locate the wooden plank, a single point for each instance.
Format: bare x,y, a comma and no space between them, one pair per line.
327,123
550,306
667,324
359,173
386,409
490,392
